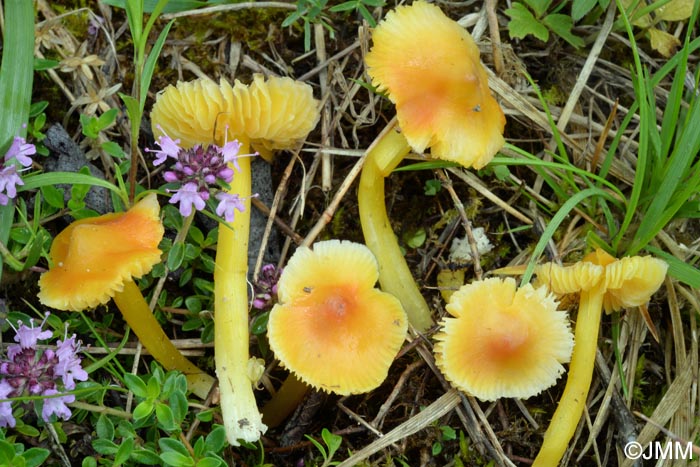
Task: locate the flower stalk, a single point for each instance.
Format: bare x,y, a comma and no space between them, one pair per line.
565,419
394,275
140,319
239,409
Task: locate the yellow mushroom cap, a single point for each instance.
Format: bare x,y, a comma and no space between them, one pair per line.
430,67
503,341
191,111
92,258
626,282
332,328
272,114
631,281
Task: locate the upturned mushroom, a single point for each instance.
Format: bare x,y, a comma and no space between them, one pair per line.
96,259
269,114
326,325
604,283
503,341
429,67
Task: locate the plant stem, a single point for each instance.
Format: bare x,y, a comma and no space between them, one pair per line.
284,401
566,417
238,406
140,319
394,275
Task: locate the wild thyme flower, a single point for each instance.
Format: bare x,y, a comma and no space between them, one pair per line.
9,175
199,171
31,371
266,287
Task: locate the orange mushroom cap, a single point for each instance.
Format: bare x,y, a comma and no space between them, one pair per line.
626,282
430,67
92,258
272,114
503,342
192,112
332,328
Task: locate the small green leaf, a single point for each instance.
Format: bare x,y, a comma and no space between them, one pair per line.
522,23
172,445
259,325
333,441
105,447
104,428
580,8
143,410
432,187
176,256
165,417
561,25
34,457
178,405
113,149
136,385
89,462
145,457
175,459
540,7
216,439
53,196
209,462
124,451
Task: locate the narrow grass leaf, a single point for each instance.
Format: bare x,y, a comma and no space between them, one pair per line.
16,75
678,269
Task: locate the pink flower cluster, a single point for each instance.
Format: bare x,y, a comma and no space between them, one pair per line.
198,171
31,371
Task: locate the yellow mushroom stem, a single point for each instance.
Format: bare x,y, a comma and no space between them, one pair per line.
239,409
394,276
284,401
140,319
568,413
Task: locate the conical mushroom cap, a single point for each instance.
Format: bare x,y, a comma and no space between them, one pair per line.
92,258
429,66
332,328
503,341
272,114
193,112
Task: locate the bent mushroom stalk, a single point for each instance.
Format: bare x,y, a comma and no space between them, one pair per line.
604,283
94,259
429,66
267,115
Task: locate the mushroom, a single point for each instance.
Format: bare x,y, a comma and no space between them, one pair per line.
429,66
95,259
272,114
604,283
326,325
502,341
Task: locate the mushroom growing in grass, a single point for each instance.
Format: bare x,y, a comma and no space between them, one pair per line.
429,67
95,259
503,341
331,327
604,283
269,114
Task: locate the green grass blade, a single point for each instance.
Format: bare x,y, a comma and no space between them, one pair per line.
150,64
554,224
16,75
